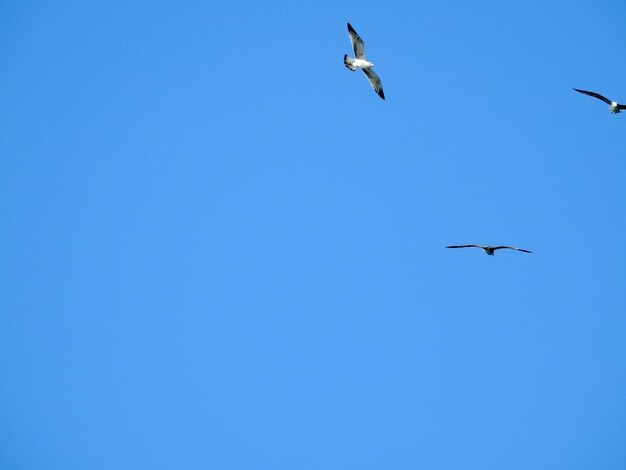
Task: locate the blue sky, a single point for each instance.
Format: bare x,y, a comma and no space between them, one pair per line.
220,249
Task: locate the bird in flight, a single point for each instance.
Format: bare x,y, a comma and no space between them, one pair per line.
614,106
360,62
489,249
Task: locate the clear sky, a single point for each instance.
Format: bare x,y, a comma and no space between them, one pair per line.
220,249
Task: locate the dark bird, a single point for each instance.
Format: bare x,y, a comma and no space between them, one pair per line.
614,106
489,249
360,62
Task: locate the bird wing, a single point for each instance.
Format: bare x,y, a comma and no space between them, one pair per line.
464,246
595,95
621,106
374,81
357,43
511,248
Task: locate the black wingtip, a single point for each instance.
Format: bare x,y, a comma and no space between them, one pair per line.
381,94
350,28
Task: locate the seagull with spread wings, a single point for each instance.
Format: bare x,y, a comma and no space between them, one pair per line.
360,62
489,249
614,106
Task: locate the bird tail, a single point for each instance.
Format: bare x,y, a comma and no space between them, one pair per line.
348,62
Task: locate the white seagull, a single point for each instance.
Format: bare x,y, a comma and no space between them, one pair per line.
614,106
489,249
360,62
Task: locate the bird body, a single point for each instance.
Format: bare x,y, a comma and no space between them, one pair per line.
489,250
360,62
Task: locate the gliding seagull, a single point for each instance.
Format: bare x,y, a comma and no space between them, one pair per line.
489,249
360,62
614,106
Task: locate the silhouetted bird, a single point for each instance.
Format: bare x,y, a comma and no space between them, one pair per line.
489,249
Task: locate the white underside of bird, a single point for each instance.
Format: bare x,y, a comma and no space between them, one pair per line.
360,63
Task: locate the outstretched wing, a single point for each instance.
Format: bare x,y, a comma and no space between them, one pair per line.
374,81
464,246
511,248
621,106
357,43
595,95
